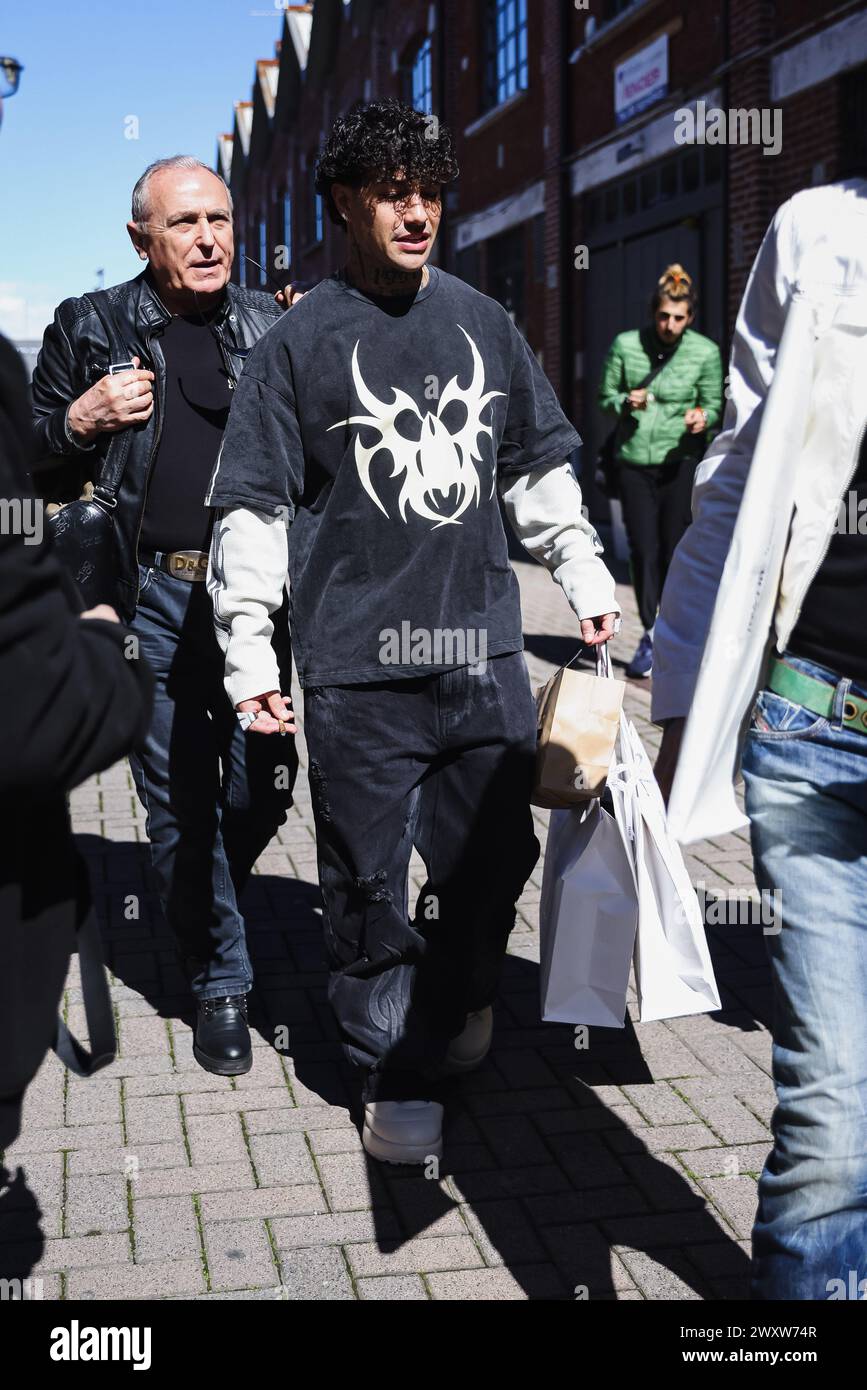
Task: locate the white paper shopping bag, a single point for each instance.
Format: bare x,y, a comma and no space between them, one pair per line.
587,917
673,970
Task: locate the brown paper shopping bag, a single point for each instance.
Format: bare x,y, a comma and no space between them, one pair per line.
578,720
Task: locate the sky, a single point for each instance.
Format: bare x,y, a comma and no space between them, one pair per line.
67,164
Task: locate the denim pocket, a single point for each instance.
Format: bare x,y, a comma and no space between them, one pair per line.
775,717
146,576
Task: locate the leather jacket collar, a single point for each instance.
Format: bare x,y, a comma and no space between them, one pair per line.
152,311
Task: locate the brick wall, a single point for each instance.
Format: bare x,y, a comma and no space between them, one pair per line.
507,152
501,154
750,177
811,141
367,62
556,289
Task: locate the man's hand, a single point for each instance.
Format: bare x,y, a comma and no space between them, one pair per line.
669,752
695,420
637,400
288,297
102,610
274,713
595,631
112,404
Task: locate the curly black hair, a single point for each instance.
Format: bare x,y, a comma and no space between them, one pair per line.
375,140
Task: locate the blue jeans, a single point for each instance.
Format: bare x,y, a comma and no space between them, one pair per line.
806,796
214,796
443,762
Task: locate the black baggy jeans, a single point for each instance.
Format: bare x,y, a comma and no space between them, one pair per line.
443,762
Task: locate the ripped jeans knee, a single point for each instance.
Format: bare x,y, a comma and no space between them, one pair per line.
319,791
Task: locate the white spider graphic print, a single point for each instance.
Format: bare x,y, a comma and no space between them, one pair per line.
439,468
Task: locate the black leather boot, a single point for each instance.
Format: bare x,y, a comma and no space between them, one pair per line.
222,1043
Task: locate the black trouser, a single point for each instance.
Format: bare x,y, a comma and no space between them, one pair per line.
443,762
656,500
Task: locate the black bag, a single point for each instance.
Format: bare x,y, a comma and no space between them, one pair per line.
82,532
607,470
607,476
96,998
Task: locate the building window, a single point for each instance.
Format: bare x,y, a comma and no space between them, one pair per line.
419,85
505,271
506,69
662,182
287,228
468,266
263,252
316,226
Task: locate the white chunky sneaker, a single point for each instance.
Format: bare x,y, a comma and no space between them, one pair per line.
470,1048
403,1131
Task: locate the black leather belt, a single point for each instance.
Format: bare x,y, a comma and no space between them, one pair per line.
191,565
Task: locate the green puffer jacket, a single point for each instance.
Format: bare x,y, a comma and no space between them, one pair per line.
693,377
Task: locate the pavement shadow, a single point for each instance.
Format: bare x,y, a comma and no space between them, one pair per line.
139,946
551,1178
22,1242
559,650
554,1182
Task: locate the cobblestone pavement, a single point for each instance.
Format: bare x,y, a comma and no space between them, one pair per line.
627,1169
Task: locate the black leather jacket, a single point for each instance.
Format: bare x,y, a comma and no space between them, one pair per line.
75,355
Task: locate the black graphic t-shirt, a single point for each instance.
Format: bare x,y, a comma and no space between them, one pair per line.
830,628
379,426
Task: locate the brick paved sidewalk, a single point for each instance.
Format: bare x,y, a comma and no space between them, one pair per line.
627,1169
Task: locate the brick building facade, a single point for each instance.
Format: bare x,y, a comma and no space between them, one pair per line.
581,176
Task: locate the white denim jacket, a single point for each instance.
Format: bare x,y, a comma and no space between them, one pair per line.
767,493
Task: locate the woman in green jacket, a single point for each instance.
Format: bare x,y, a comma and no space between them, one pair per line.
664,426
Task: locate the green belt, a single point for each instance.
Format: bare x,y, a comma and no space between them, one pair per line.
815,695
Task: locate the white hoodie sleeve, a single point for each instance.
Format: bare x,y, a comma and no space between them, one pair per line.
246,578
690,591
544,507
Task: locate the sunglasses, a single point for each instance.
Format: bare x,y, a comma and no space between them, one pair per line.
10,72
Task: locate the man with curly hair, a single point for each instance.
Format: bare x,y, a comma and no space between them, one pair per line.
368,436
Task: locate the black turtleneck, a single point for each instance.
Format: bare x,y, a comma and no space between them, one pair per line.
196,408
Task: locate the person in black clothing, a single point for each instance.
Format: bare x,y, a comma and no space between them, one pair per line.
71,704
369,435
213,799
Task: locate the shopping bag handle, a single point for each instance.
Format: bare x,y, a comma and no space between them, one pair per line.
603,659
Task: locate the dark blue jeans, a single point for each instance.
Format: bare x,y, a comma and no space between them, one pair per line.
214,796
443,762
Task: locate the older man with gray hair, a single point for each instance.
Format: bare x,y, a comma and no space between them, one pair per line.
213,798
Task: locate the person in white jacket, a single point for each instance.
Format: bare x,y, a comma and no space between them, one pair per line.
761,655
368,438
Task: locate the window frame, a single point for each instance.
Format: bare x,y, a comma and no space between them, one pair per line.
316,208
500,83
286,205
263,251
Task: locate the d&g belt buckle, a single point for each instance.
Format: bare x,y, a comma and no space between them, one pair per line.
191,565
